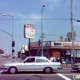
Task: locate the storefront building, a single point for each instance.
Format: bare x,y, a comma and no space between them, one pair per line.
56,49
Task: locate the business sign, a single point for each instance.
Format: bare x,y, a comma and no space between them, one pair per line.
36,44
47,43
57,43
29,31
70,43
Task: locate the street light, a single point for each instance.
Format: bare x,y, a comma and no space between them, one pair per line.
12,30
42,35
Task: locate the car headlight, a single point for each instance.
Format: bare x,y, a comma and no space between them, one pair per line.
78,66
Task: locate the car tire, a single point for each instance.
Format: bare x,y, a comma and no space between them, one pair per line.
78,71
13,70
47,70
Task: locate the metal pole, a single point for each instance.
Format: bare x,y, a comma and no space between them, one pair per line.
12,29
12,33
42,35
72,30
29,48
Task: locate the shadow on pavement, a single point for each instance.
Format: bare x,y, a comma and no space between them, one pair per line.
28,73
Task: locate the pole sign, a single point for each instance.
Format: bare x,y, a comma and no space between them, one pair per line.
29,31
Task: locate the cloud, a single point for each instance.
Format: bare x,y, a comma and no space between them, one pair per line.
53,3
35,16
30,18
17,14
24,16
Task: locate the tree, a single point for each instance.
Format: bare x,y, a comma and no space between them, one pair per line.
1,51
69,35
61,38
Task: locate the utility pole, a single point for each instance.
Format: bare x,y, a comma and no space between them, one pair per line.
72,30
42,35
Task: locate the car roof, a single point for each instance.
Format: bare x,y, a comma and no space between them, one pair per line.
37,57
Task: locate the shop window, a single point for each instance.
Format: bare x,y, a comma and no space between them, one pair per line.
78,53
72,53
68,52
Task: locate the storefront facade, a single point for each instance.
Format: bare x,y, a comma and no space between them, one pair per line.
56,49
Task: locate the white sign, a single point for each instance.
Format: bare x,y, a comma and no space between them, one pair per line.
46,43
29,31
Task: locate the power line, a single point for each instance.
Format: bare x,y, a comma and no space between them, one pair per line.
57,35
40,19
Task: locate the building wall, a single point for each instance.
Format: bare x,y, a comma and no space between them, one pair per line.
54,53
33,52
54,47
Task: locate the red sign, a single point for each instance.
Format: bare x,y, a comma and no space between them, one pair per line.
70,43
29,31
34,44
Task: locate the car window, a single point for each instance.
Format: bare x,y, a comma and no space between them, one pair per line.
30,60
41,60
46,60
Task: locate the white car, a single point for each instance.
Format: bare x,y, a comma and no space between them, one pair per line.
31,64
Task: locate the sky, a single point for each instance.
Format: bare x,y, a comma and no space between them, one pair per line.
56,21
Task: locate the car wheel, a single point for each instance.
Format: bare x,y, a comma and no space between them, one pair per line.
47,70
12,70
78,71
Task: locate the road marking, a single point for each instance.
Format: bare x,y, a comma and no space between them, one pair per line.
66,78
1,72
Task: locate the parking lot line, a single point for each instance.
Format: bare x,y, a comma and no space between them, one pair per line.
66,78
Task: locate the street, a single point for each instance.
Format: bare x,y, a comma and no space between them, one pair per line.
61,74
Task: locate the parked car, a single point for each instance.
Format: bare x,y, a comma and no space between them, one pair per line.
31,64
76,66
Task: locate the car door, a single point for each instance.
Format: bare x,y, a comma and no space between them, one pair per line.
28,64
40,64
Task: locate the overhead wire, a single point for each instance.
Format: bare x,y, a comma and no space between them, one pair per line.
40,19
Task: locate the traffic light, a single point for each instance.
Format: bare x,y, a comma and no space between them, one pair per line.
78,20
13,50
13,43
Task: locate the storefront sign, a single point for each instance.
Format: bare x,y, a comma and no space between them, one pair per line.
70,43
34,44
57,43
47,43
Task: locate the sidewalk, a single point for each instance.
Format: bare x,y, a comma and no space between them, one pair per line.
9,60
67,66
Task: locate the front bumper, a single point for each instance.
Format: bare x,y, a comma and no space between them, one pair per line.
3,69
75,68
